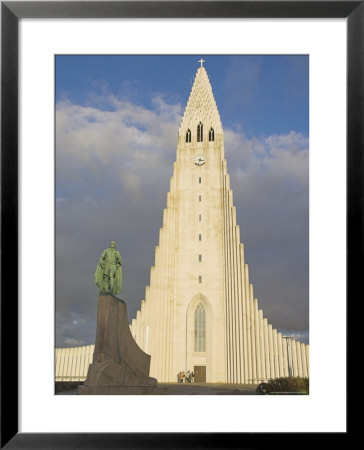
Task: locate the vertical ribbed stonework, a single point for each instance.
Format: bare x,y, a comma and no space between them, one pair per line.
201,107
199,263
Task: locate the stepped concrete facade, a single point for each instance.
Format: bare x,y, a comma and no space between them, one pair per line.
199,311
72,363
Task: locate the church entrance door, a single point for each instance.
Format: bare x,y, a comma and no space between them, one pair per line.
200,374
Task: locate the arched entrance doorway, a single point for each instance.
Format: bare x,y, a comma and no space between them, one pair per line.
198,338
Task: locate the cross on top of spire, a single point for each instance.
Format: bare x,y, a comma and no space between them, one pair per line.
201,61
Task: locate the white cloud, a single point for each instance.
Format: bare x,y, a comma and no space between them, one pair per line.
126,143
302,336
112,176
70,342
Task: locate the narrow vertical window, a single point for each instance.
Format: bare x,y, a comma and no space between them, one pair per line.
199,132
211,134
200,279
199,258
199,198
200,329
200,237
199,180
199,217
188,136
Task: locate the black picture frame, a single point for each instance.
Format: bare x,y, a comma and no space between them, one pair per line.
11,12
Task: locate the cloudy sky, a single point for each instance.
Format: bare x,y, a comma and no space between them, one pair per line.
117,119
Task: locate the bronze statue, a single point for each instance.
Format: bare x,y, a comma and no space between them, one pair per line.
108,275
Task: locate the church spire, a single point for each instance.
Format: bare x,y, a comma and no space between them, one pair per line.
201,106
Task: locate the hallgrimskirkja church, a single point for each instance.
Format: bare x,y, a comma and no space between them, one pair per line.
199,312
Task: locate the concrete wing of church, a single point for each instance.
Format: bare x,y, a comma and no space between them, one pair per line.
199,311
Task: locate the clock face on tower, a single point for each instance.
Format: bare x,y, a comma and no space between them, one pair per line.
200,160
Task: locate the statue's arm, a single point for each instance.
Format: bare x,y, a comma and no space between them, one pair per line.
119,260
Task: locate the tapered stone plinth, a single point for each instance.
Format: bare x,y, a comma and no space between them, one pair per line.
119,365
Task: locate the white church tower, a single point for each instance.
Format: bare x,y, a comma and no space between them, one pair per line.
199,311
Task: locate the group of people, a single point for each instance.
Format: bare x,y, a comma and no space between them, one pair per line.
185,377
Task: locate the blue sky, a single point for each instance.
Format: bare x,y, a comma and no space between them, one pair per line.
262,94
117,119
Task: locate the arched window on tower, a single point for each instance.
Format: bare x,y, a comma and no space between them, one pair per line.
188,136
211,134
199,132
200,329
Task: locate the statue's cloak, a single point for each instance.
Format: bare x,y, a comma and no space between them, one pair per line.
118,283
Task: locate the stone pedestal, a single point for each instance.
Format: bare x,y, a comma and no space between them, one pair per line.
119,366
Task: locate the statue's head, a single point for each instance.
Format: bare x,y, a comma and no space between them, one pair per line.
113,244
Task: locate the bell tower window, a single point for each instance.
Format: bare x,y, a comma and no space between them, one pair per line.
200,329
199,132
188,136
211,135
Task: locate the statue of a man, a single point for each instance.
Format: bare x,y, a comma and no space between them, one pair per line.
108,275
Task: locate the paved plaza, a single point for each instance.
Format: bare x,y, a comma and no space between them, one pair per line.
196,389
209,389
